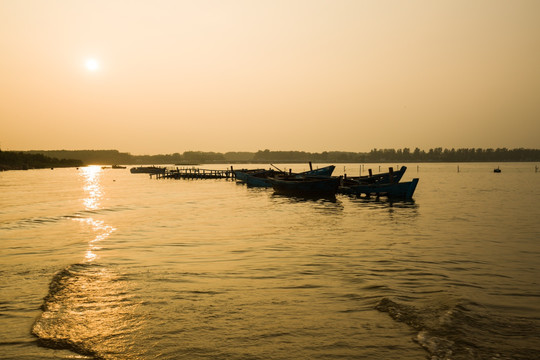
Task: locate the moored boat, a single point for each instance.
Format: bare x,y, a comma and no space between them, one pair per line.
381,178
261,177
398,190
241,175
306,185
324,171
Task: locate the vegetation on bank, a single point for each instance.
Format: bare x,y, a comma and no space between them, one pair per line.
17,160
110,157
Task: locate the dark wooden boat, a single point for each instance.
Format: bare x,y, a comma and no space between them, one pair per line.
261,178
306,185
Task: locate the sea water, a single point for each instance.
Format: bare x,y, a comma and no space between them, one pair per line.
103,264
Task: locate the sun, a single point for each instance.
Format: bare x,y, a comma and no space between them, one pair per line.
91,64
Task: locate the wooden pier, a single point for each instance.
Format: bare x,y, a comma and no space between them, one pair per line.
194,173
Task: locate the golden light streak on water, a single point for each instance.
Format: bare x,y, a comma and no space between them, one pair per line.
92,187
101,230
88,304
94,193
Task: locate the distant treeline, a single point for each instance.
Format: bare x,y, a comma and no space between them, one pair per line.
109,157
404,155
16,160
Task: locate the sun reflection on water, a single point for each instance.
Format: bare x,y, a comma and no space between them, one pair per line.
92,201
101,230
89,304
92,187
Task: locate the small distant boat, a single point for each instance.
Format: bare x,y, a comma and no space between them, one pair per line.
497,170
147,170
306,185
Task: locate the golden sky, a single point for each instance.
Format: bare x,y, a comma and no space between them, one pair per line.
166,76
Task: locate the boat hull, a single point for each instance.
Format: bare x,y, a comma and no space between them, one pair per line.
256,181
260,178
241,175
399,190
315,186
382,178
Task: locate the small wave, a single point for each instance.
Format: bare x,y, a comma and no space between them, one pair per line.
67,344
304,286
45,220
452,330
84,213
31,222
86,307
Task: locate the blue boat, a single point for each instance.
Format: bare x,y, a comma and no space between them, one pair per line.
403,190
324,171
260,179
382,178
241,175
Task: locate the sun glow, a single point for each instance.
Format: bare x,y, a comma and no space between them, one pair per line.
91,64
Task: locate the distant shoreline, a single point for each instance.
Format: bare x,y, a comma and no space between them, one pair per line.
111,157
18,160
37,159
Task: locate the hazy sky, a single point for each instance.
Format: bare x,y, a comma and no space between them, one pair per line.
168,76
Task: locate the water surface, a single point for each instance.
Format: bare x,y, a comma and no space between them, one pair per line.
101,263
